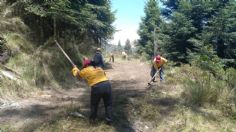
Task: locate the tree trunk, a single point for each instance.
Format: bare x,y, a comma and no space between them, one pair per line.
55,28
41,31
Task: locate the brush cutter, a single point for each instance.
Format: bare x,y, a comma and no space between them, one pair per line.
72,63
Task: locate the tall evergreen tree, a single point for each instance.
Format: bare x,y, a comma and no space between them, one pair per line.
102,28
79,19
119,47
127,47
149,23
185,32
222,33
177,44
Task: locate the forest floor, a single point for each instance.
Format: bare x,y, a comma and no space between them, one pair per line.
128,78
135,107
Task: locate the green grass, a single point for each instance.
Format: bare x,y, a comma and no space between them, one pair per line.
39,68
70,124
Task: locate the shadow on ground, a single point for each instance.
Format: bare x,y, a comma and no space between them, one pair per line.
32,117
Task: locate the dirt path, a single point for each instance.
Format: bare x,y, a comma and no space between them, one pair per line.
128,78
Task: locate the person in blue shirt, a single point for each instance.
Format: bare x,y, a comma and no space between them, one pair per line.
98,59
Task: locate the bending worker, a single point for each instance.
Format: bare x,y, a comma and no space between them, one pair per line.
100,88
158,63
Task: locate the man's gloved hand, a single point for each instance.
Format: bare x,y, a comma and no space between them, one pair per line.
75,71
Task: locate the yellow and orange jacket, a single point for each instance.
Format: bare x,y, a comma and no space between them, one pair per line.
91,74
160,64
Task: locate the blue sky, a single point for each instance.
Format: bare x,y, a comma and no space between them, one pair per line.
128,16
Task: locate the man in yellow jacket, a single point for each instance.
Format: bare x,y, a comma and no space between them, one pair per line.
158,63
100,88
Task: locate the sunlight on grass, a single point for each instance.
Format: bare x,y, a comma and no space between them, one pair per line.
77,125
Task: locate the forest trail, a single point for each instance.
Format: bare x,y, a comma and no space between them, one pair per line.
128,78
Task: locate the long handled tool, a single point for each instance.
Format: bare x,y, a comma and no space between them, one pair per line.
72,63
75,114
149,83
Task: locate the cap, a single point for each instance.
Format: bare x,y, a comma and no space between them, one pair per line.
99,49
86,62
158,58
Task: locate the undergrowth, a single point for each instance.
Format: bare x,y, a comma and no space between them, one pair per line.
39,68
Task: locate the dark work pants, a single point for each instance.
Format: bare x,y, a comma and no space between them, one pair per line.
153,71
101,91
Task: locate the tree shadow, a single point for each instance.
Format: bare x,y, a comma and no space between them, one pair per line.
208,115
166,104
29,118
121,94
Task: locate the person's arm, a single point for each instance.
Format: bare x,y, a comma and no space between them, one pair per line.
102,61
164,59
75,72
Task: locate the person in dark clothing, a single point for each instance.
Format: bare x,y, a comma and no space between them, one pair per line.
98,59
101,91
112,58
100,88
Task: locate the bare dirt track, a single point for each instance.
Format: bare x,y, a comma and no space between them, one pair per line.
128,78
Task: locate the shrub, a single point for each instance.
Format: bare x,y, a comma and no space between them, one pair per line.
201,87
144,56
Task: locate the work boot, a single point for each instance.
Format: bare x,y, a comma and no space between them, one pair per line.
108,121
93,121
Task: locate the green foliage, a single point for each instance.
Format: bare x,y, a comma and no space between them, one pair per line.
127,47
144,56
207,60
231,77
149,23
18,43
3,47
201,88
231,84
179,33
119,47
28,27
191,26
222,31
63,18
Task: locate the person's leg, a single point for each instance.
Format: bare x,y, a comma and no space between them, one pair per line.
94,101
161,73
113,59
152,73
107,99
108,106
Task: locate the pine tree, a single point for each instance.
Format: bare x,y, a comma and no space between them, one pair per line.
149,23
127,47
180,31
221,33
79,19
101,28
185,32
119,47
